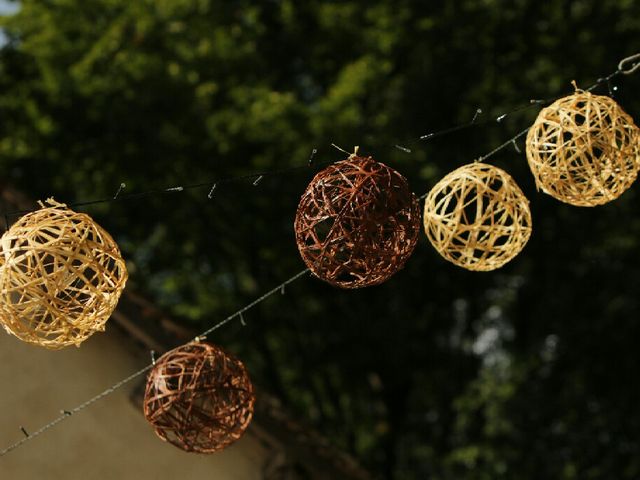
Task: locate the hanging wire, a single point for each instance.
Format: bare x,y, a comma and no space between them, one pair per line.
622,69
69,413
630,64
626,66
510,142
256,178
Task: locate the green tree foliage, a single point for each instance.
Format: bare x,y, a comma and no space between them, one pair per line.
525,373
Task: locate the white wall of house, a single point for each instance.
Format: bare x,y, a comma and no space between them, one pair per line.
110,439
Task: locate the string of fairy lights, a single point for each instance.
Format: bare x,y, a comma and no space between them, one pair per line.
625,67
356,225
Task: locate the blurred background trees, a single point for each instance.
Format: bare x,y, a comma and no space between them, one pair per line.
525,373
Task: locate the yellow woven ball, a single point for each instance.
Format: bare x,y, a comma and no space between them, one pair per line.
584,150
61,276
477,217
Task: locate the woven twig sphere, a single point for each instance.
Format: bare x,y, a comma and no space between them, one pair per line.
477,217
584,150
61,276
199,398
357,223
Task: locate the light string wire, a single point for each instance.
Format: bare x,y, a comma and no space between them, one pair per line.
626,66
500,147
108,391
212,185
257,177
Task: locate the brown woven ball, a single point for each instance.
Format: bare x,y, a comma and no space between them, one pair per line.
357,223
61,276
584,150
199,398
477,217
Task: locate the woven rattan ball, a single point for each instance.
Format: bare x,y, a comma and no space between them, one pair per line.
477,217
357,223
61,276
199,398
584,150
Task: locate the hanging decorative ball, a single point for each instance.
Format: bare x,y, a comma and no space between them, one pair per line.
199,398
477,217
584,150
61,276
357,223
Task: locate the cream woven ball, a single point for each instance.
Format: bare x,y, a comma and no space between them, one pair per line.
584,150
477,217
61,276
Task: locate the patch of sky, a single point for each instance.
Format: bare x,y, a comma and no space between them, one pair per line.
7,8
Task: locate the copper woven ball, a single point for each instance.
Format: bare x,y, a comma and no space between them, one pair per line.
199,398
61,276
357,223
477,217
584,150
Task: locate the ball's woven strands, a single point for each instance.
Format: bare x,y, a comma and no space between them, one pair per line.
61,276
199,398
584,150
357,223
477,217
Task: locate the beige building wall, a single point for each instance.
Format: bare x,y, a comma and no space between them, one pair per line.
108,440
